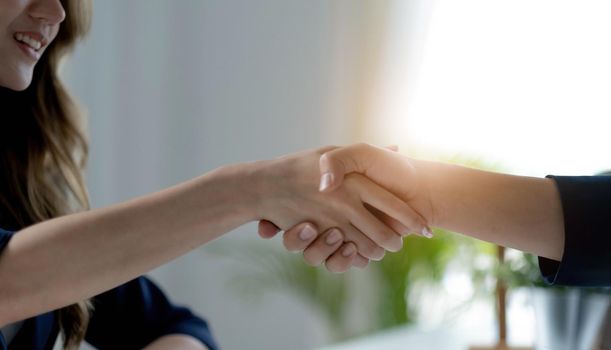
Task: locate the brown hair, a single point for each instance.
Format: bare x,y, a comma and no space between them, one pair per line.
43,152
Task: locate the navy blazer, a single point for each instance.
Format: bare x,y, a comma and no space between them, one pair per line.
586,205
127,317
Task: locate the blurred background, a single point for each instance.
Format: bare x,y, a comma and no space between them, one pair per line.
177,88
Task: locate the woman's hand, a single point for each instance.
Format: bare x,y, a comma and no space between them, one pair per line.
504,209
389,169
337,255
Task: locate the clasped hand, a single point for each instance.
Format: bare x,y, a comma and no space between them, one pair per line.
343,206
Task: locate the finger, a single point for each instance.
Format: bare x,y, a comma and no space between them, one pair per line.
389,204
398,227
299,237
395,225
365,246
323,247
360,261
377,231
335,164
268,229
341,260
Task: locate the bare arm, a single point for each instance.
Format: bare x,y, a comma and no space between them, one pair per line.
60,261
514,211
71,258
520,212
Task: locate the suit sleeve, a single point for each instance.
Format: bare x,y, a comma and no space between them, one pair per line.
586,205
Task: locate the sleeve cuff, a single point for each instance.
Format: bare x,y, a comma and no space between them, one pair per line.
586,206
549,269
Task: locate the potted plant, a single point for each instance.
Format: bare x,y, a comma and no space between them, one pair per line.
567,318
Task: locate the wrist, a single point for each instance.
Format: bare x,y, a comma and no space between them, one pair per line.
220,200
245,186
427,200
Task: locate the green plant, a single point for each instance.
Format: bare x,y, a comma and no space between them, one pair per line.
520,270
267,267
420,260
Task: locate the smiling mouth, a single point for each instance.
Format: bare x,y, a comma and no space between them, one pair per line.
28,40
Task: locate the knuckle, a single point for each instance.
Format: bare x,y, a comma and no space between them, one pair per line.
329,158
292,243
288,244
361,146
326,149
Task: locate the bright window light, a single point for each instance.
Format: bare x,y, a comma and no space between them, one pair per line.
526,83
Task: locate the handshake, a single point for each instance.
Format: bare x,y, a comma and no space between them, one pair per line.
347,205
359,202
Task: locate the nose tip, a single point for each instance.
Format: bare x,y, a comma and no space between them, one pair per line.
48,11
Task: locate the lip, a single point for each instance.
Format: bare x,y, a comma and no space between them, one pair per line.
29,52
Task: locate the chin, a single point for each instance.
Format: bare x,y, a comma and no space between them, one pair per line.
21,87
17,85
16,80
23,83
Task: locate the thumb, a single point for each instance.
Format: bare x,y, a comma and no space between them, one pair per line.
335,164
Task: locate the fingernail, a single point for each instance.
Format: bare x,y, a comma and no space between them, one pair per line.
348,250
333,237
400,246
426,232
306,233
325,181
379,255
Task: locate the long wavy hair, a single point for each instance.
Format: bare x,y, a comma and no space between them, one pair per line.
43,152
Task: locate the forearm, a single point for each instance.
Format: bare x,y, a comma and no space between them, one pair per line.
61,261
176,342
513,211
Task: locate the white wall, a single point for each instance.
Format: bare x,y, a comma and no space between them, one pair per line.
176,88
